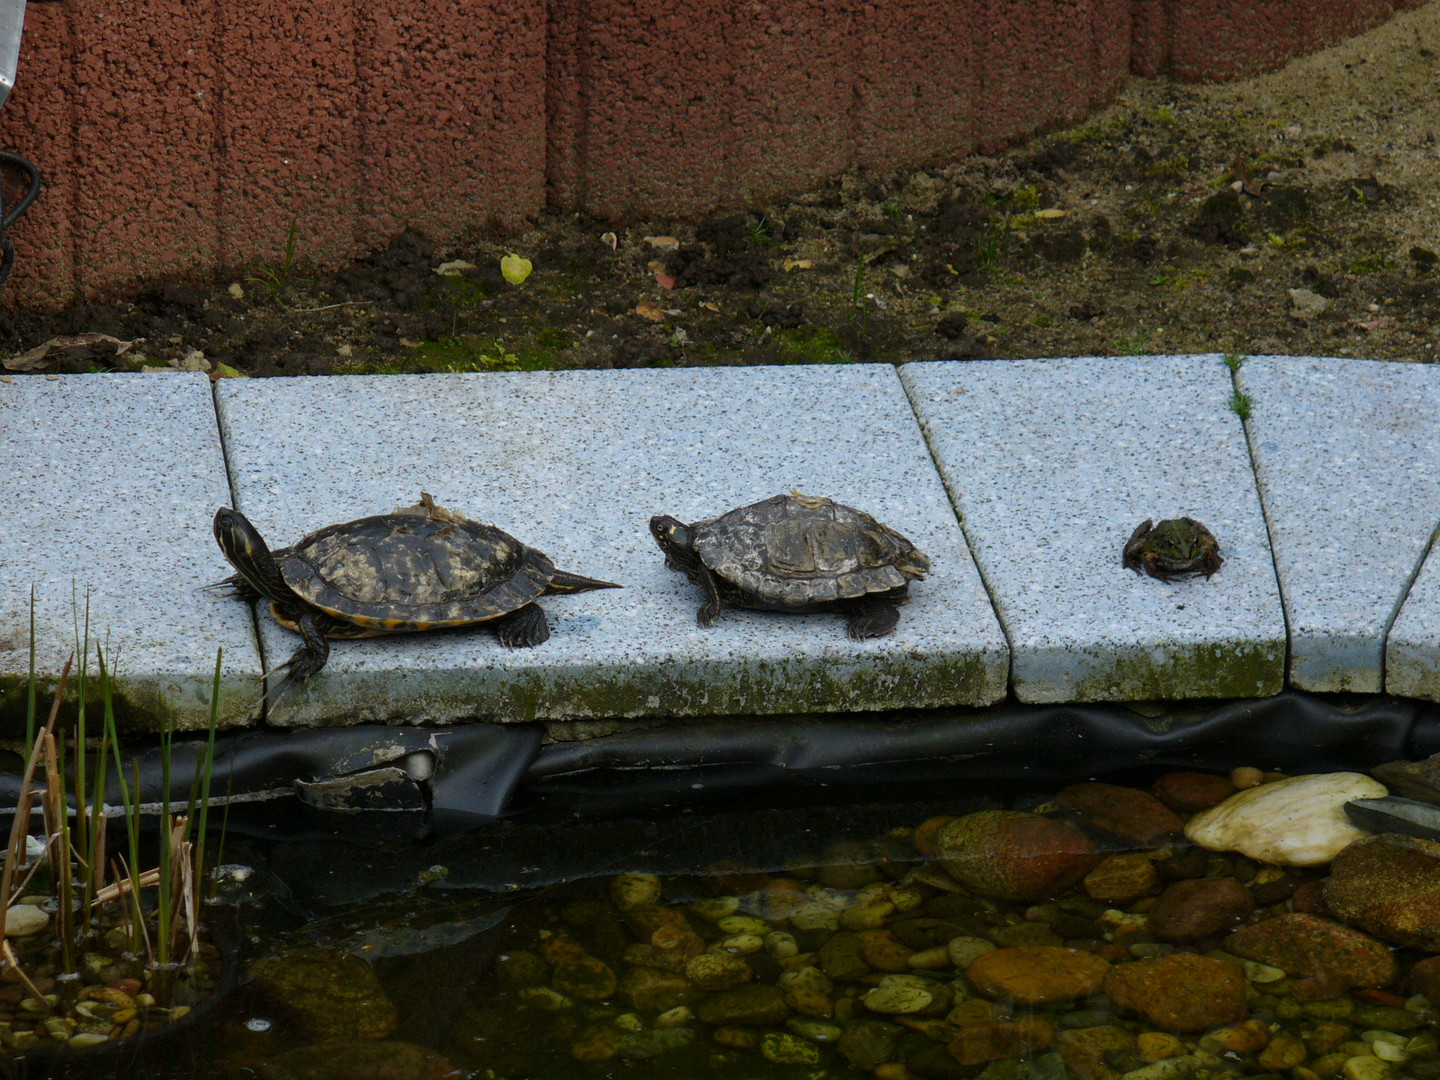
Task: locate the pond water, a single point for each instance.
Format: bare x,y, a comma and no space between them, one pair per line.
896,940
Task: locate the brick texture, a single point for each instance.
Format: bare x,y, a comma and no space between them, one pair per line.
180,138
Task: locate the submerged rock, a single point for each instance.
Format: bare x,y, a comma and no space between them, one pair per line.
1180,992
1010,855
1129,813
325,994
1425,977
1123,879
978,1043
747,1006
1191,792
1190,910
1037,974
1396,815
360,1061
1389,886
1308,945
1299,821
1412,779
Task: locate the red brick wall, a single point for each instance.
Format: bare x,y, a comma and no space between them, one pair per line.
179,138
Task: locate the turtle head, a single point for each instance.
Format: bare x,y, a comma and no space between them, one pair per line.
676,539
246,550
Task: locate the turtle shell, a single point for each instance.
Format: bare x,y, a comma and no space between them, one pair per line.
798,552
414,570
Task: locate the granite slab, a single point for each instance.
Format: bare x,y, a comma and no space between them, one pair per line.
1347,454
1052,464
109,487
576,463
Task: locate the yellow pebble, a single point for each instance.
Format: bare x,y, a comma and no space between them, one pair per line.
1246,776
1157,1046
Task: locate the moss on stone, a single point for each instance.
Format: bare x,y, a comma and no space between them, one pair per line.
1239,669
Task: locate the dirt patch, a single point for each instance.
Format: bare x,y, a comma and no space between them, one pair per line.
1294,213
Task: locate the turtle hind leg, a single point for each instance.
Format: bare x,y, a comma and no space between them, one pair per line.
523,628
565,582
872,618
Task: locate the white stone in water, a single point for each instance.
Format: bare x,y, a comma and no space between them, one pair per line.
1298,821
22,920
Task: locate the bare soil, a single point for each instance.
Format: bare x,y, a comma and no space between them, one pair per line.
1297,212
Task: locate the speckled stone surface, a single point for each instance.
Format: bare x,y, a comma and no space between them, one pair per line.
1052,463
1347,453
576,463
109,486
1412,649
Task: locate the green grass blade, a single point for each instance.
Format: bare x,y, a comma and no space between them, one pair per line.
205,768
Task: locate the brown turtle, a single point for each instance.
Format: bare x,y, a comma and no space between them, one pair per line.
420,568
796,553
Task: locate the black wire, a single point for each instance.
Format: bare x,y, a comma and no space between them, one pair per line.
7,249
33,176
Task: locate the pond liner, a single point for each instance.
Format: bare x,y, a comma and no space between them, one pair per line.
717,761
364,779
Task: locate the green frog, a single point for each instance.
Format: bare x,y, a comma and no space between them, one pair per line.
1177,547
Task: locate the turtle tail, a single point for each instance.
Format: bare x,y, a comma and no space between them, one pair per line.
564,582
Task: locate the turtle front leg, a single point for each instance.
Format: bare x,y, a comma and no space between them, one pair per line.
710,610
872,618
523,628
307,660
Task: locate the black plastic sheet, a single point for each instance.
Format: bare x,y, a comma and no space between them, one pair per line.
411,782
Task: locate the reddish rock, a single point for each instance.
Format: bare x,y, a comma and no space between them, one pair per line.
1179,992
1308,945
1318,988
1128,813
1011,855
1425,978
1191,792
1190,910
1036,974
978,1043
1309,899
1389,886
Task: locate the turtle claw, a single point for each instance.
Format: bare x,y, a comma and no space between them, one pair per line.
523,628
872,620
